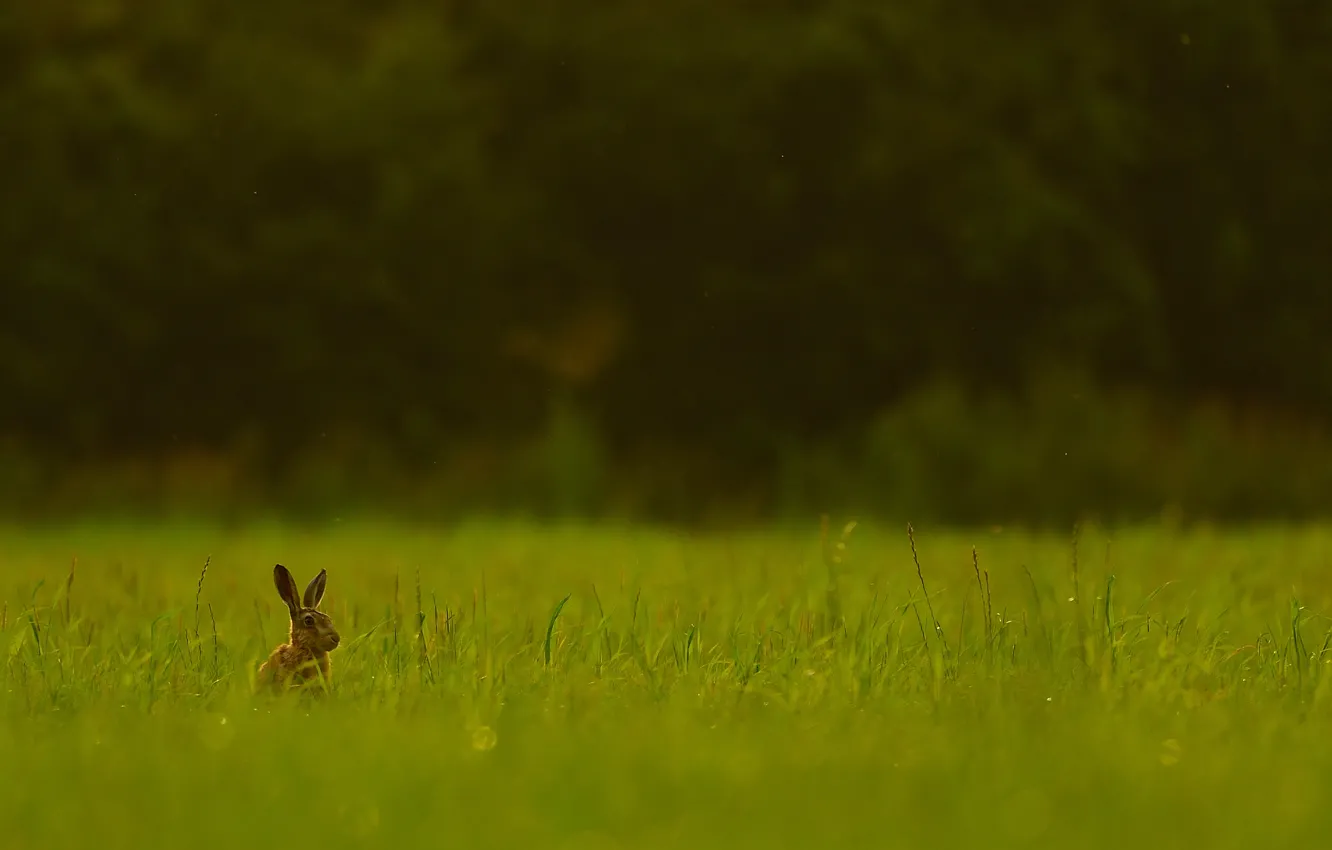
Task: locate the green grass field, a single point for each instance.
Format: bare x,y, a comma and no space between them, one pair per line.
746,690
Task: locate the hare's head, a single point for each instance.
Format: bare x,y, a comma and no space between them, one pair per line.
310,627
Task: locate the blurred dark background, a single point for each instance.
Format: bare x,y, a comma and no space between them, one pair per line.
682,261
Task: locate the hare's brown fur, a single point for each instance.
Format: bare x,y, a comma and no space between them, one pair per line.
312,637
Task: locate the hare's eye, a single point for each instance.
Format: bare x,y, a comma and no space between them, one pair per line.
309,621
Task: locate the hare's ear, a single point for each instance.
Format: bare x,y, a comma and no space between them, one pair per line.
314,591
286,588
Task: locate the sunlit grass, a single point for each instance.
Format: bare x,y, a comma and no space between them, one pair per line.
512,685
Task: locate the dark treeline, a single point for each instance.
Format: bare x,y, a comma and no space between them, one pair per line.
717,229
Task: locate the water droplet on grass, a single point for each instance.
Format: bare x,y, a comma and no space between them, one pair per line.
484,738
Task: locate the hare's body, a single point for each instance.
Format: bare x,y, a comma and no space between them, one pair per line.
296,663
304,657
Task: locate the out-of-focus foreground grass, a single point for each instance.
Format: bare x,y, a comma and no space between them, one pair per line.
511,685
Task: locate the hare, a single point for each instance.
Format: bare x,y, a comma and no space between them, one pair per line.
312,638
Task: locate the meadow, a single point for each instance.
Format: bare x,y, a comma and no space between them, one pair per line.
600,686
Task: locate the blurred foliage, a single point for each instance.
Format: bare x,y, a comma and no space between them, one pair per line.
1056,454
714,238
